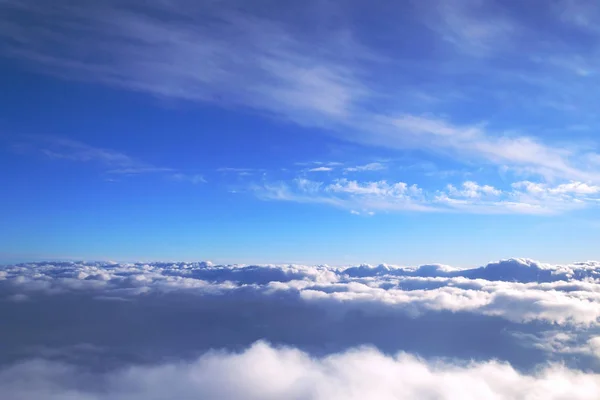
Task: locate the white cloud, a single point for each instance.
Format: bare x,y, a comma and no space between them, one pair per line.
580,13
205,53
320,169
380,188
193,178
522,198
594,345
520,303
567,189
473,190
483,145
474,27
375,166
72,150
308,186
347,194
223,53
119,318
517,290
265,372
113,162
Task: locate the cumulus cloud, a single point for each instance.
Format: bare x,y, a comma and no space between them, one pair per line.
517,290
266,372
565,189
94,329
522,197
473,190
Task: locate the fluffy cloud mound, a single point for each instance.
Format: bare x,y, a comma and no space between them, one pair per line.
264,372
95,330
516,289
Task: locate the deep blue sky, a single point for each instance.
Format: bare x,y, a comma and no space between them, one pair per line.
320,132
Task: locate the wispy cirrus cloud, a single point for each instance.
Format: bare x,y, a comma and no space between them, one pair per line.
191,178
522,153
329,167
72,150
112,162
264,61
321,169
206,53
473,27
374,166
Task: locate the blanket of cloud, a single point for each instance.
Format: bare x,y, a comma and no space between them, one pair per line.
263,372
94,330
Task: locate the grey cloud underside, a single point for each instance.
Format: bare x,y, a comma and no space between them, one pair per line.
106,316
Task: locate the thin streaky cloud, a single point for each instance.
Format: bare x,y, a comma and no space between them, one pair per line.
375,166
474,27
191,178
276,69
503,149
113,162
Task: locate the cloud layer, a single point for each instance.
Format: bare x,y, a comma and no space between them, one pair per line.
264,372
509,329
518,290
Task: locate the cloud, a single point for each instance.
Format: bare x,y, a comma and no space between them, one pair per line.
580,13
72,150
566,189
194,178
262,60
98,321
518,290
320,169
380,188
523,152
523,197
375,166
270,67
114,163
461,23
473,190
331,166
345,194
266,372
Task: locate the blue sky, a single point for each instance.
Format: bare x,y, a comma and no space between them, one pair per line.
314,132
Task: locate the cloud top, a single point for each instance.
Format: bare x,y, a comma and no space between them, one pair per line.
264,372
517,289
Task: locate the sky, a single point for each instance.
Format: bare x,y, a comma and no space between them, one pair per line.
316,132
308,200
